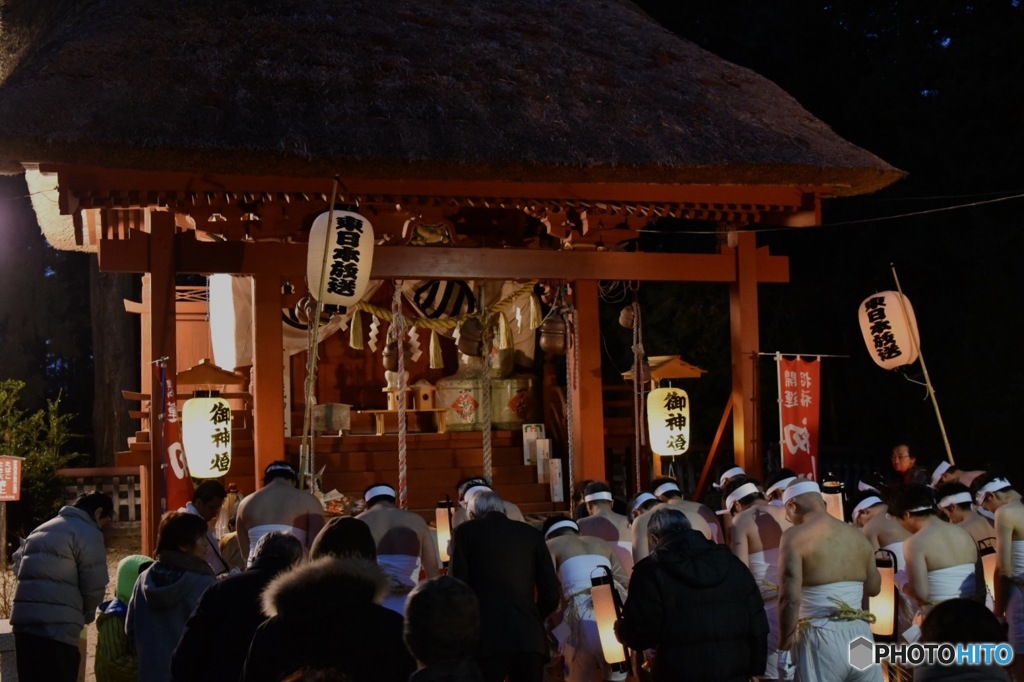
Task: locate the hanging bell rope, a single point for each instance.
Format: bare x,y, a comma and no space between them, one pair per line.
396,334
638,381
485,390
572,372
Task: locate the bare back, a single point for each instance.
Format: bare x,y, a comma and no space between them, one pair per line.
938,545
399,531
820,550
571,545
883,530
279,503
757,529
978,526
827,551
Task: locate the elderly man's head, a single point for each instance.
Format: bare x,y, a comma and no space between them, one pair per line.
664,522
484,502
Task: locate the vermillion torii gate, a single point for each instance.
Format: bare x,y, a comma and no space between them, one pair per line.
160,244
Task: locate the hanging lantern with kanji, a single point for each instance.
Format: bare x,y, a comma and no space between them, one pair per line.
206,434
668,421
345,267
890,329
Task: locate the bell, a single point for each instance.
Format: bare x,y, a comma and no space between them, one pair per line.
626,317
471,335
390,356
552,335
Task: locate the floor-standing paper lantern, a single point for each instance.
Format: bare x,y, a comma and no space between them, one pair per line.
349,247
987,552
668,421
890,329
206,434
443,523
885,604
607,610
832,492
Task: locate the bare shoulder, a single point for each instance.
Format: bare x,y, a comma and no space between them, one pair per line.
312,504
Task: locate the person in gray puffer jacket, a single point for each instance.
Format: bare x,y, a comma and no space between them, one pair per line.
167,592
62,578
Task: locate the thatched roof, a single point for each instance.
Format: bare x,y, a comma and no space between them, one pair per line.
575,90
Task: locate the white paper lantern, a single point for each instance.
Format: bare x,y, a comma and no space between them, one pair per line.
608,610
349,246
668,421
443,522
885,604
890,329
206,434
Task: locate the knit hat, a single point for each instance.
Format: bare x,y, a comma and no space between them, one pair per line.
128,570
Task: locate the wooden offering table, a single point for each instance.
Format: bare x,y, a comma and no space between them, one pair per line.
386,421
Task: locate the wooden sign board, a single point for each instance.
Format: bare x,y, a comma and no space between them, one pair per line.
10,479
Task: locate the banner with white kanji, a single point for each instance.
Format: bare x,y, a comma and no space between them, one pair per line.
799,414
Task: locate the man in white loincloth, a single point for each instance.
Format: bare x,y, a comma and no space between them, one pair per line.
405,544
756,533
577,559
827,568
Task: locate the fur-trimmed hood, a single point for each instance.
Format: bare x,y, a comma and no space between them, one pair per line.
326,584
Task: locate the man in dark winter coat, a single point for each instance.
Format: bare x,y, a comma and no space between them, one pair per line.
696,604
216,638
509,568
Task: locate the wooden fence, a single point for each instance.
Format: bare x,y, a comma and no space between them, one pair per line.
123,484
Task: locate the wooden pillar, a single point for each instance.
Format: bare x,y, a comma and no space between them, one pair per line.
162,343
268,372
745,344
587,395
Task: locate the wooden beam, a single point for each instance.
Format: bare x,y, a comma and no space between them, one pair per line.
163,343
588,393
84,179
745,344
268,372
417,262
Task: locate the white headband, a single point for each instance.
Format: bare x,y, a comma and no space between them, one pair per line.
378,490
918,509
780,484
955,498
869,501
640,499
991,487
473,491
603,495
566,523
799,489
667,486
730,473
738,494
939,470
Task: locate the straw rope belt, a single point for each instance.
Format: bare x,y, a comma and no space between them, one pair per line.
841,612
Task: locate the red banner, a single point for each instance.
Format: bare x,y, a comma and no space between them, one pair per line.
799,415
177,483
